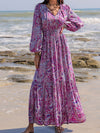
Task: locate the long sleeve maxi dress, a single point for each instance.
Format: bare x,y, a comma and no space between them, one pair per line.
54,97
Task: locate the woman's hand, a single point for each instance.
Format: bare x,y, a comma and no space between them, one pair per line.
37,60
61,30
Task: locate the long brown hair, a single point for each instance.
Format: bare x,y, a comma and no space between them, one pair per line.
47,1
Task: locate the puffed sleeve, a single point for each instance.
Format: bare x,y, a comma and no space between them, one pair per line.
36,35
73,21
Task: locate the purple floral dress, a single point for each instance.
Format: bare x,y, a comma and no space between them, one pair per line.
54,97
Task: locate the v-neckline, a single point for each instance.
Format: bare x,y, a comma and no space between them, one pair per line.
51,12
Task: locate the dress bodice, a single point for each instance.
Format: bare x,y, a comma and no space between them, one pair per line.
51,23
46,25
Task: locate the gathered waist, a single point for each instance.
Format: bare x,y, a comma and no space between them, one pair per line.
52,36
51,32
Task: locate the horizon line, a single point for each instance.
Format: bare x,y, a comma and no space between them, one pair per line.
33,9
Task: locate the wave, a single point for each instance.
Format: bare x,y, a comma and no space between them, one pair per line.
3,48
12,36
88,33
88,12
91,20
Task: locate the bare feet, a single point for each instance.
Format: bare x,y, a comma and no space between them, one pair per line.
59,129
29,129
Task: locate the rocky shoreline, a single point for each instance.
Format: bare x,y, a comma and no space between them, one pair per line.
23,62
84,60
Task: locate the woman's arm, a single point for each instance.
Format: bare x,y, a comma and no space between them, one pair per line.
37,33
73,21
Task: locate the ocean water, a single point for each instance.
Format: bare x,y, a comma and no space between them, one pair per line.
16,26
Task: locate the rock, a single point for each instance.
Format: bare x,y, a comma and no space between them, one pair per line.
80,55
28,54
26,62
20,78
84,60
15,68
79,63
83,74
83,39
79,60
95,55
2,60
91,63
27,59
82,79
91,51
7,53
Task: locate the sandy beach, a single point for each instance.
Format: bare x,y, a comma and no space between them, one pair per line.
14,107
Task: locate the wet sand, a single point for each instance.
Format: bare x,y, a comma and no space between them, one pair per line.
14,107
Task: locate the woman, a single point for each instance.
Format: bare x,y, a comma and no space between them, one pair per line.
54,97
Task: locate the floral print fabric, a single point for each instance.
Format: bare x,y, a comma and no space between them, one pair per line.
54,97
